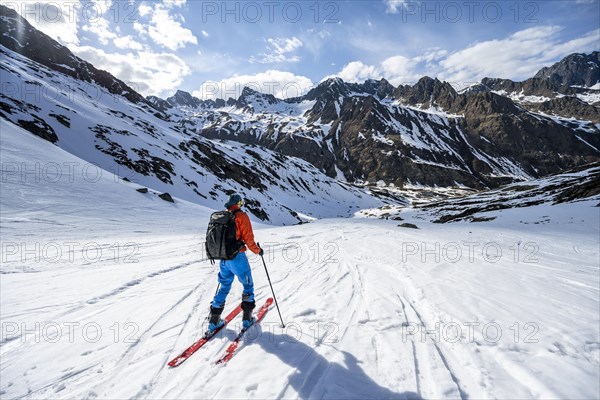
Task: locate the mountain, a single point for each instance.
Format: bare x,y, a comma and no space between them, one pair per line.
129,136
425,134
183,99
569,88
427,93
370,133
573,70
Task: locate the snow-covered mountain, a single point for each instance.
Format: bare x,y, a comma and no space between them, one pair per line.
97,296
579,184
294,158
577,76
93,116
570,88
427,133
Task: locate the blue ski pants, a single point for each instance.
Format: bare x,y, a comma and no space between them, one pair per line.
229,269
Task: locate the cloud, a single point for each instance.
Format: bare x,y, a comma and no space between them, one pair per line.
100,27
400,70
586,43
357,71
522,55
57,20
140,29
127,42
107,32
166,31
279,50
144,9
164,28
314,40
284,45
281,84
393,5
174,3
147,72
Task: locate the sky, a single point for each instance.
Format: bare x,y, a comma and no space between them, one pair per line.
213,49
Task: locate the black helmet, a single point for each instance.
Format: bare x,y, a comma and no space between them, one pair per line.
233,200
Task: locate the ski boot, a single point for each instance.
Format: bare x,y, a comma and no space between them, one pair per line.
247,319
215,321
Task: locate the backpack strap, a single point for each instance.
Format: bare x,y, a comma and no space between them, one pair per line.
240,242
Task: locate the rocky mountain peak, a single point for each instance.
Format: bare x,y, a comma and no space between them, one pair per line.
334,88
252,97
184,99
477,88
329,89
333,82
378,88
574,70
428,92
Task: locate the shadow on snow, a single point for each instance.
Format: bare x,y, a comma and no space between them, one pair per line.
317,377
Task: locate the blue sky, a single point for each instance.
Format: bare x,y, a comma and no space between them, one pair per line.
214,48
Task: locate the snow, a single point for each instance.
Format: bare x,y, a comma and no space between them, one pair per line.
586,142
339,175
583,125
433,111
590,97
593,87
503,309
88,107
65,67
521,97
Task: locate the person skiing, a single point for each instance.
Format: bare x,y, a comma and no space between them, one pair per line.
237,267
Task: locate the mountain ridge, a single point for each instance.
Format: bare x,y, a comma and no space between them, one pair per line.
470,122
424,134
567,76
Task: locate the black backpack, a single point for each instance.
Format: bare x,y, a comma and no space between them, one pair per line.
221,242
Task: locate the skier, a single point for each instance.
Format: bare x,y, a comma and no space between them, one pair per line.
239,267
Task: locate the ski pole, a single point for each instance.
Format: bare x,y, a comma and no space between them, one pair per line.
272,291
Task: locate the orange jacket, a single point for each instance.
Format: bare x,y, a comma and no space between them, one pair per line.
244,230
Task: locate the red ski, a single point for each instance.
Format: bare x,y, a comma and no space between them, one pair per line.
230,352
193,348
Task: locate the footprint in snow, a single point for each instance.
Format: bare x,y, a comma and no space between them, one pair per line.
252,387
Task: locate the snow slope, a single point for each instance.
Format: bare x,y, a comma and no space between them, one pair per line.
133,141
370,312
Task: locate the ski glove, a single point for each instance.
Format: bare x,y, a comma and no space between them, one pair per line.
261,252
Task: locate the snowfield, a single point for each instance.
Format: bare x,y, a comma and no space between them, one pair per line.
101,286
129,140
